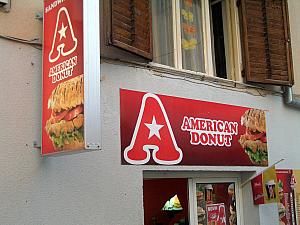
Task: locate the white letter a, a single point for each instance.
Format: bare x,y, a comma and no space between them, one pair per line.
64,40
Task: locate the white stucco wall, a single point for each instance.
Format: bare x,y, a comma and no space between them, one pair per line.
294,7
93,188
21,20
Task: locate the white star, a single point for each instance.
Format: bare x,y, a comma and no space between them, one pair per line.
223,220
62,31
154,128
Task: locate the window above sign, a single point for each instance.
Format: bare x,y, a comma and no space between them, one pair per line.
229,39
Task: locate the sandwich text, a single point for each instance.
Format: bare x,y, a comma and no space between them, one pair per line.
52,5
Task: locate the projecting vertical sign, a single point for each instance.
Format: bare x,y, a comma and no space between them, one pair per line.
63,84
71,64
286,192
265,187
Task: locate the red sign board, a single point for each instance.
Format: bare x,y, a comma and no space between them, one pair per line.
258,190
286,206
265,187
63,118
158,129
216,214
286,196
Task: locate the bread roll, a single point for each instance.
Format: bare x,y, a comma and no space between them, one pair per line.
67,95
75,145
254,119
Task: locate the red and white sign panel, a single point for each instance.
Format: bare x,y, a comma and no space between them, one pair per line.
158,129
258,190
216,214
286,206
63,97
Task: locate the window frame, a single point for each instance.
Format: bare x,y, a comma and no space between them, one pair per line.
193,219
228,41
233,47
243,68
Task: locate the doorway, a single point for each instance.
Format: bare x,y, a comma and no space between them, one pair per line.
214,201
192,201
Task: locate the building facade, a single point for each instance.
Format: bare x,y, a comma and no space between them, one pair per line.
95,187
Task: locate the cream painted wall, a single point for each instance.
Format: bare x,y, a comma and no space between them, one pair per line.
20,21
294,9
94,188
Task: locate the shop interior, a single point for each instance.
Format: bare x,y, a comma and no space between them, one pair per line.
166,202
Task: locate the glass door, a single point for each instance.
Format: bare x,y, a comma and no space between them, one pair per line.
214,202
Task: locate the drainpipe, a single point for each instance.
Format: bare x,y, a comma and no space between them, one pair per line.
289,98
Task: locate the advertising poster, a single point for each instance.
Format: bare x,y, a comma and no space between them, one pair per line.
286,206
63,104
296,185
216,214
166,130
265,187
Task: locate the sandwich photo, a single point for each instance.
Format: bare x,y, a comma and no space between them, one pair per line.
65,125
254,141
230,190
281,212
280,190
201,214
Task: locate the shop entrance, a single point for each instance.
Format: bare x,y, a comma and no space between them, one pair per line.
183,201
214,201
166,201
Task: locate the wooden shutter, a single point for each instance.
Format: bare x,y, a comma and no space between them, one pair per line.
131,27
266,42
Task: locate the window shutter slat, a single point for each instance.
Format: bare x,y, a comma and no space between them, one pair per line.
131,27
265,42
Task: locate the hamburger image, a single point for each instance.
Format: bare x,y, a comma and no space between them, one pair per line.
230,190
280,190
65,125
281,212
254,141
201,214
